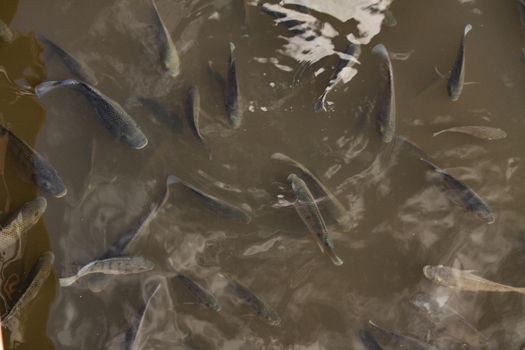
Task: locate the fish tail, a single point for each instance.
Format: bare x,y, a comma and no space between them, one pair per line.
320,105
50,85
519,290
67,281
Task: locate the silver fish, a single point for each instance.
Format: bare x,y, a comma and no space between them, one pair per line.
111,266
34,166
400,341
481,132
34,282
194,111
386,117
456,81
21,221
233,108
202,295
6,35
309,212
109,112
134,336
169,55
462,194
465,280
353,50
326,200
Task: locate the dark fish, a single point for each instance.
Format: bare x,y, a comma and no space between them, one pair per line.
309,212
79,70
34,166
481,132
259,306
387,104
353,50
233,110
462,194
399,341
21,221
135,334
456,81
169,55
368,340
6,35
202,295
194,111
110,113
160,112
32,285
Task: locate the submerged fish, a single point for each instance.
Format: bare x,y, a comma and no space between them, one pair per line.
389,20
233,110
110,113
368,340
80,71
6,35
386,117
34,166
400,341
21,221
462,194
257,304
482,132
32,285
456,81
111,266
194,111
353,50
169,55
135,334
309,212
464,280
202,295
325,199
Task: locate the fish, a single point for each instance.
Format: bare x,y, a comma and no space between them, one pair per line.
353,50
233,110
34,166
194,107
456,81
202,295
80,71
134,336
169,55
386,116
309,212
110,266
6,35
465,280
257,304
21,221
326,200
37,277
400,341
481,132
368,340
462,194
219,205
389,20
109,112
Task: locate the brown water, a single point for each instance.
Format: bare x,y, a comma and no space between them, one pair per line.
400,220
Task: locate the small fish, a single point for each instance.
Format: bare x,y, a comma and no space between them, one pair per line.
387,105
456,81
258,305
326,200
462,194
464,280
353,50
368,340
399,341
110,113
135,334
169,55
194,111
233,110
79,70
34,166
309,212
32,285
202,295
6,35
481,132
111,266
21,221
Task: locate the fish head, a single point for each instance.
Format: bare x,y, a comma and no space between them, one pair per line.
135,138
147,265
485,216
32,211
432,273
273,318
293,179
48,181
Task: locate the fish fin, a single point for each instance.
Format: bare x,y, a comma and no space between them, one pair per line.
438,133
67,281
50,85
320,105
441,75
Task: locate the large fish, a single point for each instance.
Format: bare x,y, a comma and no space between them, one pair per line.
36,278
202,295
111,266
135,335
353,50
386,117
400,341
465,280
6,35
233,108
80,71
456,81
21,221
309,212
34,166
194,111
462,194
109,112
169,55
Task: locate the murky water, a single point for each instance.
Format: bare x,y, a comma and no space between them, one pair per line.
400,221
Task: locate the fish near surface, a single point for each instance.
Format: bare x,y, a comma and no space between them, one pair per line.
202,295
6,35
481,132
400,341
456,81
465,280
194,111
34,166
169,55
233,108
109,112
311,216
386,114
21,221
